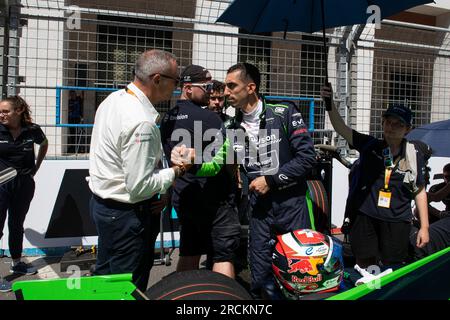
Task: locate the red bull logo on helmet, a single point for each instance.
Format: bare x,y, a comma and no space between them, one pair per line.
303,266
306,280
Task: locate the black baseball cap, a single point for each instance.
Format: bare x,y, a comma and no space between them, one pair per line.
400,112
195,73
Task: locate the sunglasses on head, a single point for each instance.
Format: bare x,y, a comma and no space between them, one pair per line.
205,86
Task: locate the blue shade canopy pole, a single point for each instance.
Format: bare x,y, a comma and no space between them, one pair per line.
325,55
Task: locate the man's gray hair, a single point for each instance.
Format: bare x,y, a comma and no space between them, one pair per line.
151,62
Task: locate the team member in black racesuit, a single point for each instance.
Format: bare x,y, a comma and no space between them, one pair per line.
17,138
278,155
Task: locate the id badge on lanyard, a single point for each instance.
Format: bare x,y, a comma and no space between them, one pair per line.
385,195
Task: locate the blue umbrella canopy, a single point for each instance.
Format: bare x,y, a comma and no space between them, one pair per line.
307,15
436,135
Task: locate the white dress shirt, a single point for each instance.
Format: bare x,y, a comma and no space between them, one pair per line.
126,148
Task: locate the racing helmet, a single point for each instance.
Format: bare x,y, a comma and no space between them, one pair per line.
306,261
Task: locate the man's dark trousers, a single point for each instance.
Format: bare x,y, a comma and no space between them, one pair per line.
126,238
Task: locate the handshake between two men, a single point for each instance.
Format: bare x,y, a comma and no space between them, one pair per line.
182,159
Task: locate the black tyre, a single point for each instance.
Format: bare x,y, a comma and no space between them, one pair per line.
197,285
321,209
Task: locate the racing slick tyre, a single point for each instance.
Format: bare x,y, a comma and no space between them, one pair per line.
321,210
197,285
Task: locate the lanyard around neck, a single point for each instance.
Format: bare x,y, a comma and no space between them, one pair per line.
388,173
128,90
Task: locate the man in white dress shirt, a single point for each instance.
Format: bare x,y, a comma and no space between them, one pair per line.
124,176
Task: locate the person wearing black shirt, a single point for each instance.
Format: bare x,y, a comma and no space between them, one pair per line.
17,138
439,219
440,192
75,106
205,202
391,176
217,100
